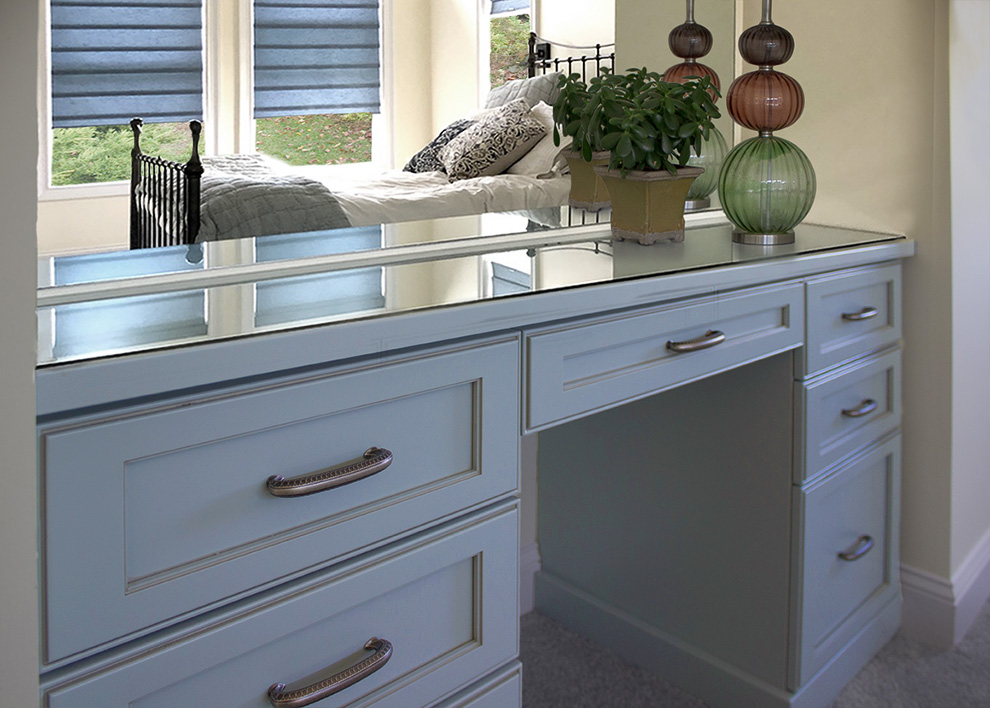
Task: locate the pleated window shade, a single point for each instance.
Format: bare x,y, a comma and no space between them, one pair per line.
113,60
316,56
518,6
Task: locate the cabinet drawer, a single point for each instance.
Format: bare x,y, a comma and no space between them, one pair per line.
852,407
154,516
582,368
852,314
445,600
503,689
842,581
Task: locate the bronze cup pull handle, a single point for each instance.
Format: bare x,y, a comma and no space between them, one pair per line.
375,460
709,339
862,547
280,698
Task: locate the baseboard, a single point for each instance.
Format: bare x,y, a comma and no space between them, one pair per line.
529,566
939,611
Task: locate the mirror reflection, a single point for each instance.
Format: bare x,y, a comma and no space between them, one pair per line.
269,114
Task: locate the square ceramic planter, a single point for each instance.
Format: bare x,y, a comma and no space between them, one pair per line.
648,205
588,192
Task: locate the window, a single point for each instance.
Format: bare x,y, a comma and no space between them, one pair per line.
110,61
316,76
510,27
312,79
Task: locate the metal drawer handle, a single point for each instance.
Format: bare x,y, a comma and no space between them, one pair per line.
710,339
280,698
864,314
375,460
862,547
864,408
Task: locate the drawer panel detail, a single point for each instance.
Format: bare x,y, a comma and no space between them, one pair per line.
579,369
443,600
503,689
848,570
852,314
157,515
852,407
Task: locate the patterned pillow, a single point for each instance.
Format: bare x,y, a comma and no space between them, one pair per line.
493,143
538,88
426,159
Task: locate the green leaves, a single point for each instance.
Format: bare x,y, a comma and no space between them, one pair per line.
644,122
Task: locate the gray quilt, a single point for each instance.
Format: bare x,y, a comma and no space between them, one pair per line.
242,197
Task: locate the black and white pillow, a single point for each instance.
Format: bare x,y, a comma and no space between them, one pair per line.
492,144
426,159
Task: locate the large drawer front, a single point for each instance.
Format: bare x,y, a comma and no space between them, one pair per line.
846,554
446,600
845,411
157,515
852,314
574,370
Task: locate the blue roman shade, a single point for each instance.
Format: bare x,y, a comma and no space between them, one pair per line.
322,294
315,56
515,6
113,60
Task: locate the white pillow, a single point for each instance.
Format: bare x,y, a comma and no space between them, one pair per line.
542,158
489,146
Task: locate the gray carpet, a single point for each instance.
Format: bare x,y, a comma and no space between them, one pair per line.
563,670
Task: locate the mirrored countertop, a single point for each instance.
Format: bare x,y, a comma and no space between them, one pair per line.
112,304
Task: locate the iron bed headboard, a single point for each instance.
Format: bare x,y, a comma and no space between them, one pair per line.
164,194
541,60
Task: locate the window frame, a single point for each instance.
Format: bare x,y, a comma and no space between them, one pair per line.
228,118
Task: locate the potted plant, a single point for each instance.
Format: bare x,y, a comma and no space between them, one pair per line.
578,113
650,130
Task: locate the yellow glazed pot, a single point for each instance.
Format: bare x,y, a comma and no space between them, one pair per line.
587,189
648,205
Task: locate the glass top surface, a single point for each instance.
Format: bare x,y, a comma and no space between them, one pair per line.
103,305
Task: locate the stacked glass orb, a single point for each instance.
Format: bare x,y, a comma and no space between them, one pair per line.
767,184
691,41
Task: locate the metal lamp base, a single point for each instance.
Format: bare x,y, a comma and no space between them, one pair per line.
762,239
697,204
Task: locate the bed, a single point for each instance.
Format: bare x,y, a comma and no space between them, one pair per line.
458,173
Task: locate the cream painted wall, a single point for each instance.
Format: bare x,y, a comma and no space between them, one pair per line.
969,60
644,42
18,502
881,159
881,153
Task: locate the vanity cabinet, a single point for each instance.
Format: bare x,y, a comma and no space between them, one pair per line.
738,535
330,513
213,545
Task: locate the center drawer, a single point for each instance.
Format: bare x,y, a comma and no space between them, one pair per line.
578,369
444,603
154,516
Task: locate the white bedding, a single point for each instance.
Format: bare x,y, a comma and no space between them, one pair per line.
396,196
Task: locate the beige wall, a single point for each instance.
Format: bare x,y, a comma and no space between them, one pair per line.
876,127
969,57
881,162
644,42
18,502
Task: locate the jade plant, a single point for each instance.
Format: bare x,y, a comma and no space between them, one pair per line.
644,122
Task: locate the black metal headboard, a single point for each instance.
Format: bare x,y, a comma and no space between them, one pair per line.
541,58
164,194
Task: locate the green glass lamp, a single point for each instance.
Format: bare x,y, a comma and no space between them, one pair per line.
766,184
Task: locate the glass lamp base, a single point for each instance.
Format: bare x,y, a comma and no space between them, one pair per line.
762,239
